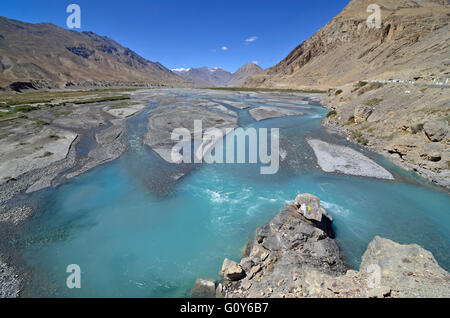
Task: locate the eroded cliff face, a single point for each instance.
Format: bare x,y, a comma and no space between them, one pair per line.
412,43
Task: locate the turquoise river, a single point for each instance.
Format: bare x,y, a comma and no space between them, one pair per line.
131,240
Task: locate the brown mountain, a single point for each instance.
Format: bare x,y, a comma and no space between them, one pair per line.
47,52
241,75
412,43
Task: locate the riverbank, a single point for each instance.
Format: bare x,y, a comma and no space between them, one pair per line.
296,256
408,124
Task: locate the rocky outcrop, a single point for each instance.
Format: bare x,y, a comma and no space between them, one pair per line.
436,130
295,256
298,240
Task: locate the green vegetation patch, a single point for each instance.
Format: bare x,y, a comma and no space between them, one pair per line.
350,120
101,99
4,135
361,84
338,92
25,108
332,114
38,121
416,128
358,136
372,102
26,102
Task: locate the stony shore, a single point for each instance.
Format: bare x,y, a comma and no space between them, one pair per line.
295,256
406,123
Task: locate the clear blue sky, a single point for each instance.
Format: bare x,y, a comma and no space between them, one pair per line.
191,33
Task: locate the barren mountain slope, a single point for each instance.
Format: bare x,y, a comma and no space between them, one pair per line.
242,74
412,43
47,52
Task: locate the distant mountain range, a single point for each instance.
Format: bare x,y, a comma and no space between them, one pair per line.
205,76
412,44
217,76
46,52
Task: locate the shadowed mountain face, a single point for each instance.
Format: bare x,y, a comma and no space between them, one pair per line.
411,44
241,75
205,76
49,53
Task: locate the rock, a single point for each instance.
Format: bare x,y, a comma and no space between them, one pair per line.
246,263
407,270
219,291
203,289
253,271
259,253
434,156
232,270
310,206
362,113
379,292
436,130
